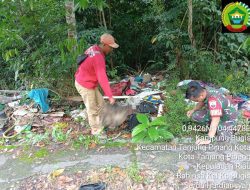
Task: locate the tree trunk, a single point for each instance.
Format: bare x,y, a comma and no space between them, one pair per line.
71,19
104,20
100,18
190,22
109,7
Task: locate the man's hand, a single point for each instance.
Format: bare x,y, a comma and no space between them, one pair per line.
202,142
190,113
111,100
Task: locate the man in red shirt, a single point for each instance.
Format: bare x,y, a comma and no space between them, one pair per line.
91,73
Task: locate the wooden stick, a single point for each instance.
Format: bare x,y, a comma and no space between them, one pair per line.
140,96
12,91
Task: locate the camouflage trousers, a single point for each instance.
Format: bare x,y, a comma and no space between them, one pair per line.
225,129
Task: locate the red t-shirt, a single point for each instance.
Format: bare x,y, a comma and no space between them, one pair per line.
93,71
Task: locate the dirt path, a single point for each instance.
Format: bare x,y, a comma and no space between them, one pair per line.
166,166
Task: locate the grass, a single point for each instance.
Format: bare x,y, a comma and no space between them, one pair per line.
134,173
85,141
30,156
115,144
8,147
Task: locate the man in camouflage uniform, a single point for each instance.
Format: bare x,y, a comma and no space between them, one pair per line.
213,108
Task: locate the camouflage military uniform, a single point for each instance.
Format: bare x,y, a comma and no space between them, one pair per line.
217,105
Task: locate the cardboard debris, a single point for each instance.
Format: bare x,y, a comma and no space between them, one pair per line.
146,78
160,110
6,99
2,122
14,104
79,113
54,114
20,112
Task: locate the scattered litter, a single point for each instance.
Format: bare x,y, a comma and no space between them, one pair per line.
6,99
24,114
246,114
95,186
245,106
160,110
183,83
14,104
19,129
20,112
54,114
146,78
138,79
55,174
40,97
132,122
76,114
182,166
146,107
3,120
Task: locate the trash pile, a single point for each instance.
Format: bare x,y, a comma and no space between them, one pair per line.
132,86
139,94
35,110
32,111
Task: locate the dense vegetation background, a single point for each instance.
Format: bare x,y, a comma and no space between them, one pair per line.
39,41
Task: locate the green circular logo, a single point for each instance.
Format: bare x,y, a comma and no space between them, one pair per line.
236,17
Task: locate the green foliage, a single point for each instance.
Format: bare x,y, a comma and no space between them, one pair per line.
176,115
85,141
214,52
35,49
204,68
84,4
232,81
150,131
246,45
31,35
30,156
29,40
43,152
33,138
134,173
59,136
243,127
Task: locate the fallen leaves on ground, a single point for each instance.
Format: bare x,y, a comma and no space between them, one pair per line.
119,171
92,145
127,136
114,177
55,174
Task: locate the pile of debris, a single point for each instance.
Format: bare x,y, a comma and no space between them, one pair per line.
34,111
139,94
20,113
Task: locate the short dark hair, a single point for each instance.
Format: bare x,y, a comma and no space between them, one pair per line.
194,90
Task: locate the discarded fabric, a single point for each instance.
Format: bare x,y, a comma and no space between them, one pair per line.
132,122
95,186
138,79
146,107
40,97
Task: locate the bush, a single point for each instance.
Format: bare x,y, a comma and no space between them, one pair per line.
176,112
236,82
149,132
